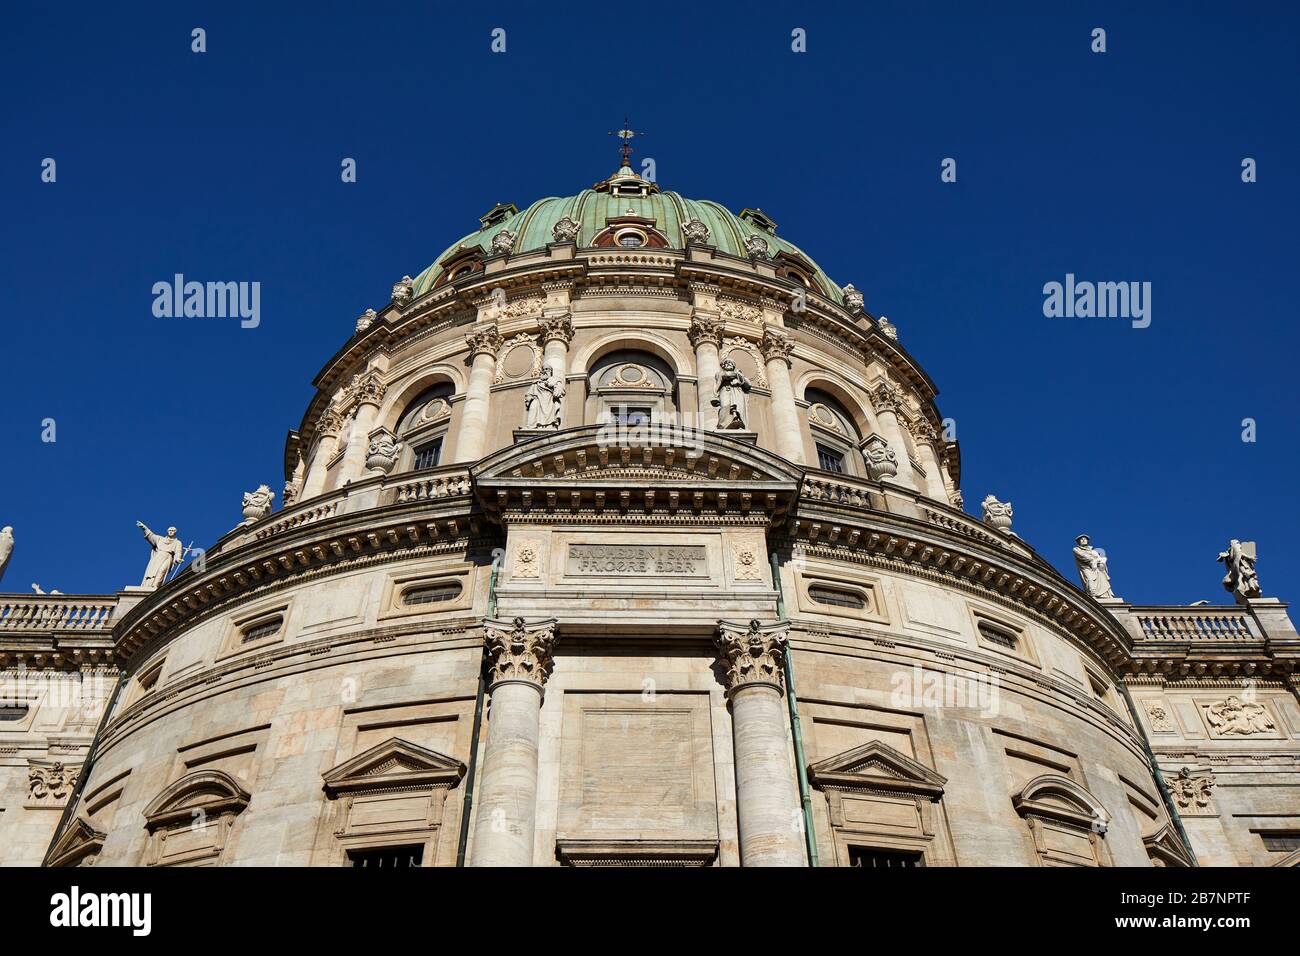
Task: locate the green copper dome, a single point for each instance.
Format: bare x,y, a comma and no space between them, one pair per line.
624,195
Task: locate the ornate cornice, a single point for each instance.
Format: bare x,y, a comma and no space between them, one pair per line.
518,651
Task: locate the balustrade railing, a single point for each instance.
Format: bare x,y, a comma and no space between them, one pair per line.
1194,623
56,612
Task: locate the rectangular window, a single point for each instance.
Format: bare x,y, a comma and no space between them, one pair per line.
632,416
871,859
428,455
828,459
261,630
387,857
1280,842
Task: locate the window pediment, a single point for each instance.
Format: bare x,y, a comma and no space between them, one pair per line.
208,791
394,763
655,465
79,845
877,766
1165,849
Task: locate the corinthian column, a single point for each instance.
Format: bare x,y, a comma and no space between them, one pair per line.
705,334
328,427
885,400
926,438
767,806
776,347
519,661
368,392
484,343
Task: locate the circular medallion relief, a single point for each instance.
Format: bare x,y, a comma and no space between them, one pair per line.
518,361
823,416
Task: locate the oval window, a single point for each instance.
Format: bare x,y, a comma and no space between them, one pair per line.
835,596
431,594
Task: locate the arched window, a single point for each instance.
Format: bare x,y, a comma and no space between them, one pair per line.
422,429
630,387
834,434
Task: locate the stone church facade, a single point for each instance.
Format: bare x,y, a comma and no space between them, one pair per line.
622,535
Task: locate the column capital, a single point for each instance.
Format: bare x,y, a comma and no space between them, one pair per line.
753,654
367,388
484,339
776,345
556,328
517,651
330,422
885,398
924,432
706,327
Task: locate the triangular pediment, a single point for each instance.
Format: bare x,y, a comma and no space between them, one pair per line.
876,765
595,467
394,763
1164,846
81,839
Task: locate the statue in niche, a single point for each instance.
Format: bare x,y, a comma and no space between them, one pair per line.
732,397
167,553
1241,578
6,548
1093,570
543,401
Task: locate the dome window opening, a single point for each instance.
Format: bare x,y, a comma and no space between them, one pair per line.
836,597
438,593
261,630
631,239
828,459
428,455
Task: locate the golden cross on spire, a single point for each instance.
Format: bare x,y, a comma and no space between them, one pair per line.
626,134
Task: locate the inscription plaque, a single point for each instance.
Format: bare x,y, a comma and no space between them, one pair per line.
638,560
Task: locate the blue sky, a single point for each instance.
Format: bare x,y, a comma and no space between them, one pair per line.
1122,166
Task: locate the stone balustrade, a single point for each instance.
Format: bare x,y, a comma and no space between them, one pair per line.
57,612
1194,624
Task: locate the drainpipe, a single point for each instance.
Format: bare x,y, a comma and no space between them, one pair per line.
467,808
805,797
1165,795
77,788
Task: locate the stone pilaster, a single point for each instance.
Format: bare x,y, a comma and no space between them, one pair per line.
887,404
484,343
367,391
705,334
767,805
328,427
519,660
777,347
926,439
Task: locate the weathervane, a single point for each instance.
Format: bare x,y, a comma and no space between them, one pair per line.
626,134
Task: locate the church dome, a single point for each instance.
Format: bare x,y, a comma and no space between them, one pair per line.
625,199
